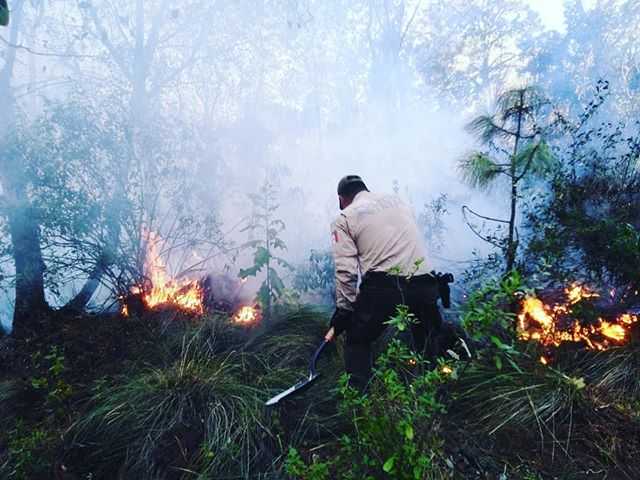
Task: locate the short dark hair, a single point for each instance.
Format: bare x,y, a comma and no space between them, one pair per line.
351,185
353,189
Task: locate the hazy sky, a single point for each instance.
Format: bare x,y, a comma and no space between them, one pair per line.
552,11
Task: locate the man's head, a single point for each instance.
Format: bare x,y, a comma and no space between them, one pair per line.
348,188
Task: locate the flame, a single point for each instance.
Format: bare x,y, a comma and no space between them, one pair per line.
544,323
446,369
124,311
246,315
543,360
578,292
614,331
164,290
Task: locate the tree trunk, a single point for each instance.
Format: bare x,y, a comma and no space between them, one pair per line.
31,308
24,230
512,246
82,298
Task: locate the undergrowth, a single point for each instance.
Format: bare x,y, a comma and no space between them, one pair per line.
190,404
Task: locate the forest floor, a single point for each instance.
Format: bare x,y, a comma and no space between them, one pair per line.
171,396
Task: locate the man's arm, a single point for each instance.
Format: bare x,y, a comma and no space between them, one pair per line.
345,255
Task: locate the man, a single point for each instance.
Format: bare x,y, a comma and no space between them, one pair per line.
376,237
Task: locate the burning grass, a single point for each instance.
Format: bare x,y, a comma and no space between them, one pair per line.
551,325
161,290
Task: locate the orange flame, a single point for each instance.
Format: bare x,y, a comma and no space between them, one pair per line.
541,323
246,315
186,294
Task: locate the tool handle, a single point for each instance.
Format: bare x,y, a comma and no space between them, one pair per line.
314,359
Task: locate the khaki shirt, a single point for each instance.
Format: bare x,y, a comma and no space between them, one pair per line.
376,233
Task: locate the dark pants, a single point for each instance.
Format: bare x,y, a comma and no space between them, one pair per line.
379,295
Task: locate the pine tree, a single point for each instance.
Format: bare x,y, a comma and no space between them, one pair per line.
515,148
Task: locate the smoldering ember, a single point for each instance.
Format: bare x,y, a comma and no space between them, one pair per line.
319,239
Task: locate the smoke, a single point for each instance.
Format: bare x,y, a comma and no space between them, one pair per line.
299,93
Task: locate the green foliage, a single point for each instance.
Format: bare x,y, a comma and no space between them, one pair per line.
584,225
65,160
536,159
402,319
4,15
26,459
317,275
267,228
52,383
479,170
296,467
514,139
393,428
488,312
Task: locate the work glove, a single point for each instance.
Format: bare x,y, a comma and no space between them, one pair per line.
340,320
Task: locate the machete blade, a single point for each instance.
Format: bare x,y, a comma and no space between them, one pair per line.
291,390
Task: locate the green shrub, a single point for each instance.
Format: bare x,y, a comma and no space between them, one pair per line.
489,310
393,428
27,457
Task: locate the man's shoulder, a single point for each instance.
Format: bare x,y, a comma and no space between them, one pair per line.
365,203
339,220
375,202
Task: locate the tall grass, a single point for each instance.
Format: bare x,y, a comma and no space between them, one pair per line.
285,349
615,372
555,415
202,415
197,417
524,396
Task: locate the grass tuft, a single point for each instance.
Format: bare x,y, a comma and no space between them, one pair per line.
198,415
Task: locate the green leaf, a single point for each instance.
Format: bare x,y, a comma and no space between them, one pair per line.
484,127
536,158
577,382
283,263
248,272
408,432
261,257
498,362
479,170
277,285
263,295
388,465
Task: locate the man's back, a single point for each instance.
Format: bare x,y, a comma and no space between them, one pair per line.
385,233
373,235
